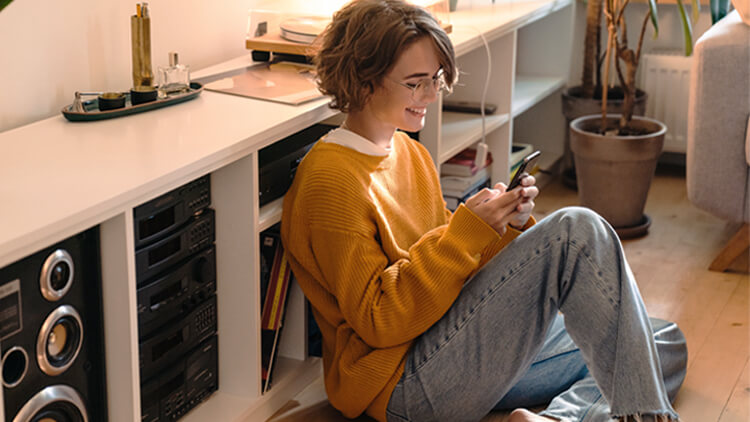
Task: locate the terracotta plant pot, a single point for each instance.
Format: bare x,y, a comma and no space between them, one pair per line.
575,106
615,172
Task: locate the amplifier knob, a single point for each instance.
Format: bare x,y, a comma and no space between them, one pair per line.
202,271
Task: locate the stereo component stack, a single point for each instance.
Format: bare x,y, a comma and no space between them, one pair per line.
52,335
175,261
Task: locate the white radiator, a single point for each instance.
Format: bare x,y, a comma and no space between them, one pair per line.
665,77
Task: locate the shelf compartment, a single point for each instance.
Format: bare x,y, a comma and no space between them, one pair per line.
529,90
290,377
459,130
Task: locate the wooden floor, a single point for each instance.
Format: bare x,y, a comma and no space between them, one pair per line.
670,265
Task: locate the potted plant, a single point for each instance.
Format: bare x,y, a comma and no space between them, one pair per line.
585,99
616,154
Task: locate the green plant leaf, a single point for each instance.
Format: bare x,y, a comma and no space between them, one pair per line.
687,29
4,3
719,9
654,17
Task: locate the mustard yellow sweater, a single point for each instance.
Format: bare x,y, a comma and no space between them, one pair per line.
380,258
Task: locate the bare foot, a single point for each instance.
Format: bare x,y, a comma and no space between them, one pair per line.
523,415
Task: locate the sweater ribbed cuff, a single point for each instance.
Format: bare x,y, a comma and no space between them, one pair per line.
473,232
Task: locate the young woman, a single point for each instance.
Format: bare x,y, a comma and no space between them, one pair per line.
428,315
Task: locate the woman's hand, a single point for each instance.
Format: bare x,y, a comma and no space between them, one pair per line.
495,206
529,191
499,208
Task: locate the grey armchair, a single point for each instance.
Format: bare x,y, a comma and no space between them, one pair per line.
718,135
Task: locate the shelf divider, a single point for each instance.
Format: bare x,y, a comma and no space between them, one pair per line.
238,291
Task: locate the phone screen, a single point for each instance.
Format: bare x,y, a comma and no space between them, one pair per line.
527,163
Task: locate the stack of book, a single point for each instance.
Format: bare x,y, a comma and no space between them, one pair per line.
460,178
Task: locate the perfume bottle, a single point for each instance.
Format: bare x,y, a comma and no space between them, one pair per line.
175,78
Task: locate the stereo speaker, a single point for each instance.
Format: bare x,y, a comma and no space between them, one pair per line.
51,334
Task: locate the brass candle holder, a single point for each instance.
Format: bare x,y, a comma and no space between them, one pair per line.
140,37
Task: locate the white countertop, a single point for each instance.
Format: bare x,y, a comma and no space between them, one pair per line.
59,177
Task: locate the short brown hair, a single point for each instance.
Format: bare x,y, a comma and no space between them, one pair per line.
364,40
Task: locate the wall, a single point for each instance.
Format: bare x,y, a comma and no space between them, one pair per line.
670,31
50,49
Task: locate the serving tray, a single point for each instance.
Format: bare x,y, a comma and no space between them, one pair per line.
93,113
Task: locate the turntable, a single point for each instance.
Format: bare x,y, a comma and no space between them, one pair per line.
276,30
303,29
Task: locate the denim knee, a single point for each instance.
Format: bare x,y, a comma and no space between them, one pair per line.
577,221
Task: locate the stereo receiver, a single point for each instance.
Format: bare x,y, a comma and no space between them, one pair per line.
277,163
183,385
170,342
197,234
166,213
175,294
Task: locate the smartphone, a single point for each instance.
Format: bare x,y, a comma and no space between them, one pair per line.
527,163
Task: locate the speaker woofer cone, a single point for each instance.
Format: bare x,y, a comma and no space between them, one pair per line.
59,340
57,275
15,363
57,403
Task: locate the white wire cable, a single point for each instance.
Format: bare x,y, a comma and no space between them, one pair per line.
482,148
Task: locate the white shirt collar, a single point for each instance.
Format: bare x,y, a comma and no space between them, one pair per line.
349,139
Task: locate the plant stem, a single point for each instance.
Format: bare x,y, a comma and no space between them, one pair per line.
611,33
591,44
605,85
631,59
640,38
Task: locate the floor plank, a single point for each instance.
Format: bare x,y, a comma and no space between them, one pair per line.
715,371
738,409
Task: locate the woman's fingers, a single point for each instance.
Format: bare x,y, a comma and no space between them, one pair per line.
479,197
525,207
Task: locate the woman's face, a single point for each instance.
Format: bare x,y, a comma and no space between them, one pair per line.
392,103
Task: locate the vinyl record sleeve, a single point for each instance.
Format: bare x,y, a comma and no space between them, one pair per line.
279,82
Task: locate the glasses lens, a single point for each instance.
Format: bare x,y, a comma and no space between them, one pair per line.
426,86
421,89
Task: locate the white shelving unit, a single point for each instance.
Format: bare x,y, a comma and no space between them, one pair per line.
530,90
102,170
270,214
460,130
529,49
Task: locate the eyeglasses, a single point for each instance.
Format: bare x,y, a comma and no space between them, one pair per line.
424,87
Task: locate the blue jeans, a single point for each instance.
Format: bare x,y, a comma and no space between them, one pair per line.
503,343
